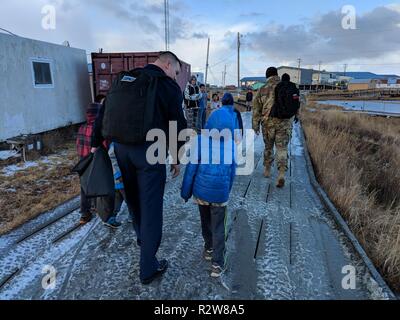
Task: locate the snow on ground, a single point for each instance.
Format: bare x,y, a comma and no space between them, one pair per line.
51,160
7,154
300,256
12,169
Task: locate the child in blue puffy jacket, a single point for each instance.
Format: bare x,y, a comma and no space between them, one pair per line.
209,178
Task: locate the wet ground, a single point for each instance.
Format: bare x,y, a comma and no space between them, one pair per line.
282,244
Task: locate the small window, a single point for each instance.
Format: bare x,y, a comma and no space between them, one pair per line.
42,76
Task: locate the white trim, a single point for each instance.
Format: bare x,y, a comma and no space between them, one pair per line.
42,60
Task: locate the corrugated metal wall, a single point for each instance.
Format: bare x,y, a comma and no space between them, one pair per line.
106,66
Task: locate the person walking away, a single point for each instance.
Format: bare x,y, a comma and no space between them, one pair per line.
192,98
275,131
249,99
83,145
211,184
284,111
139,101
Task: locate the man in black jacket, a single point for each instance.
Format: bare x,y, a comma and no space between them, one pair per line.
249,99
145,182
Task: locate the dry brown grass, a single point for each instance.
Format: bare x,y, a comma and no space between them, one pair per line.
357,161
33,191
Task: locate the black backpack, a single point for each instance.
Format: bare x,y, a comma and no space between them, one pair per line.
130,106
287,101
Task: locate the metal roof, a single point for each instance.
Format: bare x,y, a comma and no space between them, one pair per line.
360,81
261,79
295,68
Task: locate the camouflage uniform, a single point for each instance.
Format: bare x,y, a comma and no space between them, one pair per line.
275,131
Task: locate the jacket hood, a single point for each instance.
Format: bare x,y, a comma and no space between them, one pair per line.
222,119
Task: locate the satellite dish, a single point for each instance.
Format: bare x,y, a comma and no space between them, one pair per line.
66,44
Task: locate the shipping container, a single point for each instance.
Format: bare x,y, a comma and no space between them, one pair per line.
106,66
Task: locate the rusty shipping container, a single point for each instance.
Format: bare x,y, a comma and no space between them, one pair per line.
107,65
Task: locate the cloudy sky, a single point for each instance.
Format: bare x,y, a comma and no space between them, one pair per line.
274,32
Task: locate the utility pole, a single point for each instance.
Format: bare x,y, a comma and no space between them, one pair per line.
224,77
207,65
319,73
299,71
238,49
166,17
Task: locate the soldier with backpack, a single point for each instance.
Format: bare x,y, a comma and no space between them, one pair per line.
275,106
139,101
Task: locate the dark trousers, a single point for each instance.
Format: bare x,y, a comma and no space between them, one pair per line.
144,188
109,207
86,204
213,225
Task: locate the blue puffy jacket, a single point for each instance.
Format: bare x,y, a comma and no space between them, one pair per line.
208,181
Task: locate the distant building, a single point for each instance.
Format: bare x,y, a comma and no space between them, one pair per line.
365,84
389,84
362,84
44,86
200,77
248,82
230,87
324,77
299,76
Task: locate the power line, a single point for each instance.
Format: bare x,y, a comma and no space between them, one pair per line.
224,60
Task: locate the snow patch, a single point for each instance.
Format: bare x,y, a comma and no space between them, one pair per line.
7,154
12,169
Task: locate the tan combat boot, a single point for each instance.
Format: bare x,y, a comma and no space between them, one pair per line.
281,179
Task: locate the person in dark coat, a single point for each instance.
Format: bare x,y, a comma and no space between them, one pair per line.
145,182
249,99
83,146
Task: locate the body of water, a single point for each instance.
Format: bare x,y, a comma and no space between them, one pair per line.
371,106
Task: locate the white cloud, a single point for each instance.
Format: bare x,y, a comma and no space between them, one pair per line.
137,25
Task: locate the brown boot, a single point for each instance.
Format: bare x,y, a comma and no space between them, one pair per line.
281,179
267,171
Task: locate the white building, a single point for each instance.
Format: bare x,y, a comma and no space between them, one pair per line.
324,77
299,76
43,86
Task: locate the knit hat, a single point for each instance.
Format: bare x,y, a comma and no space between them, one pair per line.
271,71
285,77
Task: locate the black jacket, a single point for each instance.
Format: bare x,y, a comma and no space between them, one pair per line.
190,91
168,108
249,96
